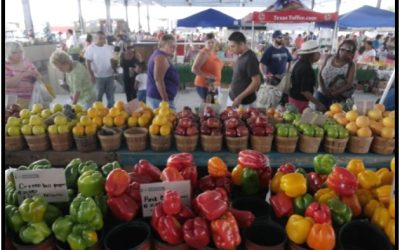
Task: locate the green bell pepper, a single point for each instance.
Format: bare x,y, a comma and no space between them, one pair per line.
33,209
34,233
101,202
40,164
84,210
250,181
52,213
323,163
107,168
62,227
22,167
11,194
301,203
301,171
86,166
341,213
14,218
91,183
71,172
81,237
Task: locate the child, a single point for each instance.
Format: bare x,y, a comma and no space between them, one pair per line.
141,81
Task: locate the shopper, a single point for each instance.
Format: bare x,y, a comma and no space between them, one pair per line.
77,77
98,62
72,45
129,59
207,67
141,81
246,77
303,77
298,41
88,42
369,53
162,76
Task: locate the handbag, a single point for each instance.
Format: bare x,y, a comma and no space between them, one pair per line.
285,84
268,96
41,94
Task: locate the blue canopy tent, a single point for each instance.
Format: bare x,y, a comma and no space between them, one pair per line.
209,18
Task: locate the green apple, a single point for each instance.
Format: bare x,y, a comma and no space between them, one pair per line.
25,121
14,121
38,130
37,108
14,131
24,113
53,129
332,132
35,120
289,117
292,132
343,133
62,129
57,108
309,131
45,113
26,129
318,132
60,120
282,131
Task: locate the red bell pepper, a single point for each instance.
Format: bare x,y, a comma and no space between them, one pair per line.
117,182
185,214
123,207
172,203
264,176
171,174
146,168
225,232
196,233
282,205
169,229
252,159
223,182
287,168
319,212
140,178
180,161
354,204
190,173
314,182
211,204
209,182
158,212
223,192
133,191
342,181
243,218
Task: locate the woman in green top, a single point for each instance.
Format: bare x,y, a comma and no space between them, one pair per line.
78,79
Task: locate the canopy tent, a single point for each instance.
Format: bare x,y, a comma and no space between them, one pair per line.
209,18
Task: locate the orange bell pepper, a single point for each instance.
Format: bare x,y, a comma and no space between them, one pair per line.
390,231
392,208
381,217
321,237
217,167
236,175
354,204
293,184
355,166
276,182
324,194
364,196
368,179
385,176
383,193
370,208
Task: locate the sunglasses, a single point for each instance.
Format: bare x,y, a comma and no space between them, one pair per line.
346,50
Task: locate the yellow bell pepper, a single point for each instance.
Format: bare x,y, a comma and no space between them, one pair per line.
385,176
324,194
390,231
364,196
392,208
294,184
355,166
368,179
276,182
381,217
236,175
383,193
298,228
392,165
370,208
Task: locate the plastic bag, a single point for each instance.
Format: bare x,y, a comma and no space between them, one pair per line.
41,94
268,96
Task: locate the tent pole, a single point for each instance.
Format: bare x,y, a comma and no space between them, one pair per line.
126,13
388,86
252,35
109,25
138,10
148,18
29,31
336,29
81,23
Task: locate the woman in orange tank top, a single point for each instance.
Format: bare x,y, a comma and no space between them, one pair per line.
207,67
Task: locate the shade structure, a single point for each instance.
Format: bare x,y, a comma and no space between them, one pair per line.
367,17
209,18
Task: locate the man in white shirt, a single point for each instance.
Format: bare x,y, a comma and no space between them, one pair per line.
72,45
98,62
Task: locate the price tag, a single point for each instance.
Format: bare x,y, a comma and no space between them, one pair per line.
49,183
152,194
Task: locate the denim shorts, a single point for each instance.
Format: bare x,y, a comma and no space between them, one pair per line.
155,103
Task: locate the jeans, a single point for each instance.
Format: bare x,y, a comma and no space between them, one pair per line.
203,92
130,91
141,95
155,103
105,85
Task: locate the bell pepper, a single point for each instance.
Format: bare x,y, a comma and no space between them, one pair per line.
84,210
264,176
287,168
146,168
157,213
13,218
185,214
301,171
207,183
23,167
52,213
301,203
33,209
243,218
385,176
368,179
223,193
276,182
11,195
353,203
364,196
190,173
390,231
236,175
196,233
293,184
34,232
140,178
282,205
298,228
392,208
40,164
341,213
319,212
133,191
108,167
250,181
342,181
117,182
172,203
169,229
225,232
211,204
72,173
91,183
217,167
324,194
323,163
252,159
62,227
392,165
101,203
180,161
82,237
123,207
381,217
370,208
383,193
355,166
86,166
321,237
314,182
171,174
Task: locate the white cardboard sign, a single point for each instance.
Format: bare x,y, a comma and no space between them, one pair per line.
152,194
49,183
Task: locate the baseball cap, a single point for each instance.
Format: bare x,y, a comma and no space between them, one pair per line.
277,33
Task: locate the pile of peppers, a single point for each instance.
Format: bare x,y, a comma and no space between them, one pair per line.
180,167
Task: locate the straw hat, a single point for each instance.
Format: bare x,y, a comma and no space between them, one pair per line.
309,47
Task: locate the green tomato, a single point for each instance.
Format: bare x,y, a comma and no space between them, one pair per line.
332,132
319,132
292,132
282,131
309,131
343,133
289,117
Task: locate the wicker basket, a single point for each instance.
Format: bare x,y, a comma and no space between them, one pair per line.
186,143
87,143
309,144
110,142
262,144
37,142
383,146
286,144
14,143
211,143
136,138
61,142
160,143
237,144
335,146
359,145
